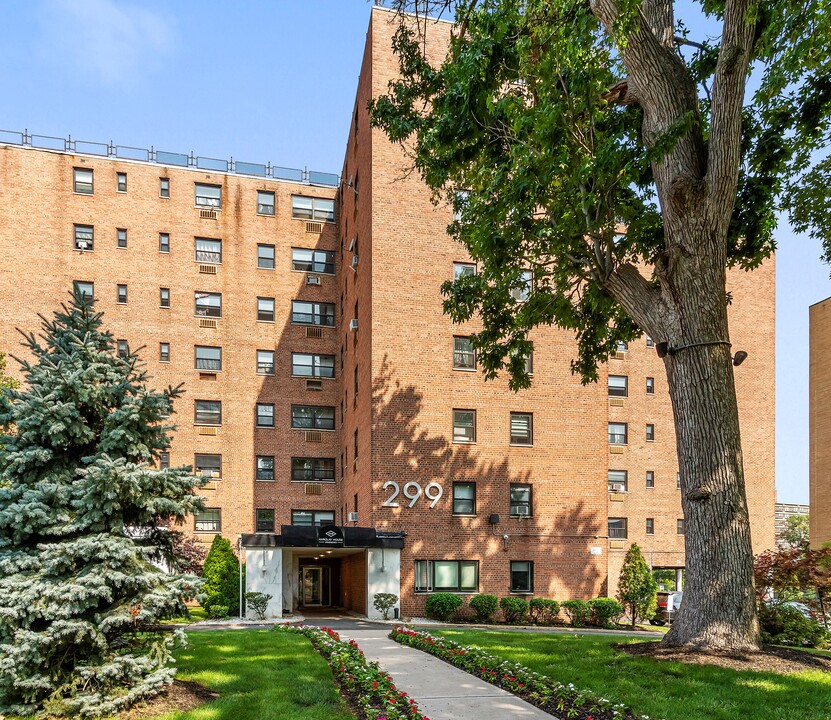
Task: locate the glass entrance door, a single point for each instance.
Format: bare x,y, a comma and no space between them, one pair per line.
312,586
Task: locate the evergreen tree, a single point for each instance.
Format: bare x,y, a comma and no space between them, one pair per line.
221,577
80,504
637,588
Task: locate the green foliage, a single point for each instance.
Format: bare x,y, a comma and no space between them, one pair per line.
604,611
216,611
514,609
81,505
543,611
797,530
578,612
485,606
257,601
443,605
384,602
637,589
220,573
665,579
785,625
5,380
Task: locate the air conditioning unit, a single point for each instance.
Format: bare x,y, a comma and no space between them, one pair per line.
351,245
616,487
353,517
82,244
520,510
207,214
314,385
312,280
354,261
353,324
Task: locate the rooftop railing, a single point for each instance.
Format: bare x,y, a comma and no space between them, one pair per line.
164,157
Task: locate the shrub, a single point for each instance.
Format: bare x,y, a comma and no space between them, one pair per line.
443,605
604,611
258,602
785,625
637,588
221,575
515,609
485,606
577,611
543,611
217,612
382,602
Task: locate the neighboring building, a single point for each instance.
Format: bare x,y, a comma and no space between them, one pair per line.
785,511
348,397
819,333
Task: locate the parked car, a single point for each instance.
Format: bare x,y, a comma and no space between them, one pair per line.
668,604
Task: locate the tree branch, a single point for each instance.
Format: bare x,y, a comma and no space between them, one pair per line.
639,298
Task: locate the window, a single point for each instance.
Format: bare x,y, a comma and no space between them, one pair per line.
355,383
306,365
208,520
265,415
208,196
462,269
309,208
617,433
650,432
265,257
316,261
164,297
650,478
121,182
164,352
618,386
265,202
355,446
618,528
164,187
529,363
464,426
207,466
522,292
464,498
650,526
207,412
265,520
460,201
522,429
164,460
207,304
84,235
650,342
313,313
82,181
121,296
650,386
313,517
208,250
522,576
121,238
464,356
447,575
265,468
312,469
208,358
622,346
520,496
618,480
123,348
164,242
679,526
678,480
313,417
83,288
265,309
265,362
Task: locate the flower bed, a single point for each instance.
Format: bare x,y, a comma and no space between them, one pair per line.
564,701
369,688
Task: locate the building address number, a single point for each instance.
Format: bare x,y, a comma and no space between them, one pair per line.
412,491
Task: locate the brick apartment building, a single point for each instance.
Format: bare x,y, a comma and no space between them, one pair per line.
335,413
819,411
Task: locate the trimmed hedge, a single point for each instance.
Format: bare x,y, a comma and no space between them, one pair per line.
604,612
515,609
485,606
443,605
577,611
543,611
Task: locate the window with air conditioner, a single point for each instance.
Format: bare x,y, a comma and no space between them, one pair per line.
84,237
207,466
520,496
207,520
617,480
123,348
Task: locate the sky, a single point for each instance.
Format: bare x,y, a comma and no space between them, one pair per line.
275,82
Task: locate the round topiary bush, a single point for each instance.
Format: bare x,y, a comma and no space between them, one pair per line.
514,609
543,611
443,605
485,606
577,611
221,573
604,611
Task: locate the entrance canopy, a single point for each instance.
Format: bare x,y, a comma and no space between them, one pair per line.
325,536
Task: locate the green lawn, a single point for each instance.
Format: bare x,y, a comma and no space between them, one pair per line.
260,675
195,613
660,689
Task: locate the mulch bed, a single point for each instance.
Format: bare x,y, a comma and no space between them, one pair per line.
182,695
771,659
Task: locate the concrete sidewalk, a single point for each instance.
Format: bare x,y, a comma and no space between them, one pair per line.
442,691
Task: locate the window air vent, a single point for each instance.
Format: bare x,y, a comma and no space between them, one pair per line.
617,402
616,544
207,269
314,332
616,497
207,214
312,280
314,385
206,430
616,449
618,355
314,227
209,485
207,376
207,323
314,436
313,489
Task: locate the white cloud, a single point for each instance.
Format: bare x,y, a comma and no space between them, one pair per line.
103,40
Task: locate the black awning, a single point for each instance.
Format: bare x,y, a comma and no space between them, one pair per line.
325,536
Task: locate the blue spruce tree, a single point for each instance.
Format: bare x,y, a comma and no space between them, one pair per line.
81,506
